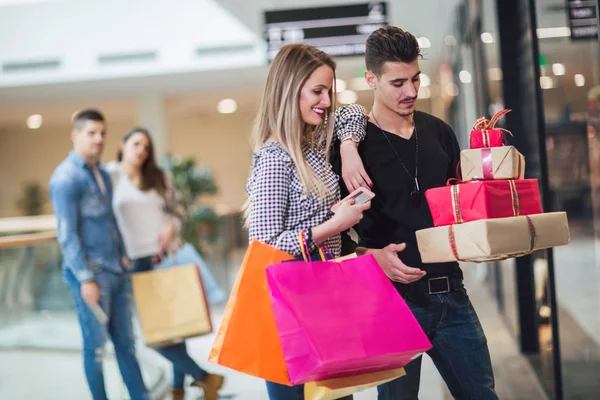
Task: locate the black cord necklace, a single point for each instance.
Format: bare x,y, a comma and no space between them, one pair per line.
415,195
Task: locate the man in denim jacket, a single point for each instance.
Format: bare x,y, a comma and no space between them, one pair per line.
93,256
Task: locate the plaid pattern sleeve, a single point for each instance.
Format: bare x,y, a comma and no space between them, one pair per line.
279,208
269,193
351,122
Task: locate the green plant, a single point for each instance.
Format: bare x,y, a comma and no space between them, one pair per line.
33,199
192,182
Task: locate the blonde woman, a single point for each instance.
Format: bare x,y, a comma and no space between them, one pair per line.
292,186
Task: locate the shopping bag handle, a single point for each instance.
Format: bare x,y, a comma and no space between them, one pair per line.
306,249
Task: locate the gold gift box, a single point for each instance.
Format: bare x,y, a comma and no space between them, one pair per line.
506,163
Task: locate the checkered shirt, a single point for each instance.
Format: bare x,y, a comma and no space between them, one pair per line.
351,122
279,207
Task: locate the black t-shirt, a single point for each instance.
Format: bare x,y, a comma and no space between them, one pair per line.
392,217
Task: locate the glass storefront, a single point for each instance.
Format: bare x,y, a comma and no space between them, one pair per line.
570,82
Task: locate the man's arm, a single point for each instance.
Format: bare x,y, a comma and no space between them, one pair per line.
65,198
350,130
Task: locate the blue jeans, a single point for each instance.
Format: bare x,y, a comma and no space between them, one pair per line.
115,300
459,352
177,354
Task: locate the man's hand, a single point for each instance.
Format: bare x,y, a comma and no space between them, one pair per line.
393,267
126,262
90,293
353,170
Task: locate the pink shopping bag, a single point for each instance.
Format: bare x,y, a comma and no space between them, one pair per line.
338,319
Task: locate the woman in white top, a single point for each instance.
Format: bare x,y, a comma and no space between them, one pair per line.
149,218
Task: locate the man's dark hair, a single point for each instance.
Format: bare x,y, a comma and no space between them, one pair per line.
86,115
390,44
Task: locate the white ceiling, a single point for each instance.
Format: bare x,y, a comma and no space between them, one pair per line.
429,18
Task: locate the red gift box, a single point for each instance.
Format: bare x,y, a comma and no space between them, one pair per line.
477,200
485,134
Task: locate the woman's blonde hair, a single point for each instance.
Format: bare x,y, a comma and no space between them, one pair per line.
279,117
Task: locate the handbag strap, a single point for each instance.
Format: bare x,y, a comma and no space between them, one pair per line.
305,249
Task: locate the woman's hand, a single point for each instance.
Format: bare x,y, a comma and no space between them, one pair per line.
349,214
353,170
166,237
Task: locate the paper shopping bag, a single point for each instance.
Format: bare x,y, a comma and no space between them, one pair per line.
341,387
247,340
171,304
338,319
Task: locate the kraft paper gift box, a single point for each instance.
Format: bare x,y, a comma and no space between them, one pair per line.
471,201
492,163
491,239
172,305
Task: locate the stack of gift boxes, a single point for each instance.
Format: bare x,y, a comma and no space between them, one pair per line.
493,213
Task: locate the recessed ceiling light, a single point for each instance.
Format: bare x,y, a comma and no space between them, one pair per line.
548,33
359,84
487,38
558,69
424,93
227,106
465,76
35,121
424,42
347,97
450,40
546,82
340,85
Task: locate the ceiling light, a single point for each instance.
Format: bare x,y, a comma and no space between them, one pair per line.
465,76
227,106
495,74
340,85
452,89
579,80
424,93
487,38
546,82
424,43
34,121
450,40
347,97
558,69
548,33
425,80
359,84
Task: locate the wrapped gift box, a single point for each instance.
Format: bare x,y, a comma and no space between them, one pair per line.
493,239
485,133
472,201
492,163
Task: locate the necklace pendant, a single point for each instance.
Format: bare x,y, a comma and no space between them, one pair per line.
415,198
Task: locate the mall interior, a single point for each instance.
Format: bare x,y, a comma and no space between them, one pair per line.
193,73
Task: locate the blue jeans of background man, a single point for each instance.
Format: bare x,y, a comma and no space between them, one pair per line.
115,300
459,352
177,354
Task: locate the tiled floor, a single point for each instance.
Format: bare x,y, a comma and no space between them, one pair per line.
60,376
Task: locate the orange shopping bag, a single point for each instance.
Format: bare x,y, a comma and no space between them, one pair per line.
248,340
